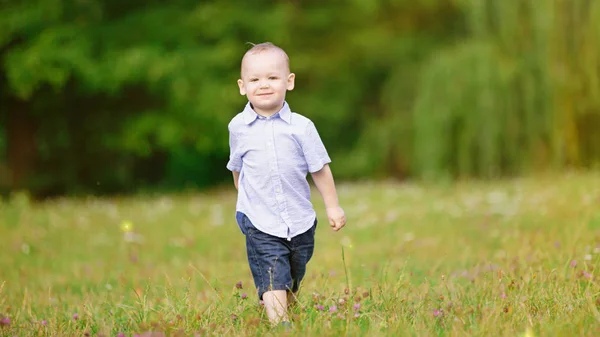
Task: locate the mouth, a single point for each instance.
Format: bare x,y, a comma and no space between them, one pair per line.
262,95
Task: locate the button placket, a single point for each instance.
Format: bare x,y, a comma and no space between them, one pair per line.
275,179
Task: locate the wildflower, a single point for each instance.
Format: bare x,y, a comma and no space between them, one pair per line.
528,332
342,301
126,226
5,321
121,334
573,264
437,313
75,316
587,275
333,308
244,296
262,303
239,285
356,315
356,306
44,322
503,295
320,307
588,257
346,242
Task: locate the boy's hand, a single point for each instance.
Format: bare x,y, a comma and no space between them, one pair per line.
336,217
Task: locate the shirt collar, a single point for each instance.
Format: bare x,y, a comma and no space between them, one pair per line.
250,115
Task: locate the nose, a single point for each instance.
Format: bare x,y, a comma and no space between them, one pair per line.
264,84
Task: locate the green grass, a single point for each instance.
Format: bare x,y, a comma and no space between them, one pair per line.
472,258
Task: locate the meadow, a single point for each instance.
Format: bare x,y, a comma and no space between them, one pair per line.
512,257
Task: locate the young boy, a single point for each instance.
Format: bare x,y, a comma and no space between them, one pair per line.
272,150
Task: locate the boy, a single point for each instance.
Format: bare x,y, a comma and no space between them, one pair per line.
272,150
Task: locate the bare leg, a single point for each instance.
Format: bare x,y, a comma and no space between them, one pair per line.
276,306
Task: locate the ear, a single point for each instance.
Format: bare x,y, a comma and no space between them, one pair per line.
290,81
242,88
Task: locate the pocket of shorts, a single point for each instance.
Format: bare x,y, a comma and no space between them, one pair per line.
240,219
248,226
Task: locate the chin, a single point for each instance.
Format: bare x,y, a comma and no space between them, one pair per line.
268,106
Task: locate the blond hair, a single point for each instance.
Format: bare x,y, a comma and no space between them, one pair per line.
264,46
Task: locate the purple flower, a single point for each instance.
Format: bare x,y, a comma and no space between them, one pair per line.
437,313
356,315
262,303
5,321
503,295
75,316
587,275
239,285
244,295
320,307
333,308
121,334
44,322
573,263
356,307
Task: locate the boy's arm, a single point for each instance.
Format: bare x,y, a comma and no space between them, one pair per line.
236,178
323,180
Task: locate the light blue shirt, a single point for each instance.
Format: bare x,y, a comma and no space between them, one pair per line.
274,156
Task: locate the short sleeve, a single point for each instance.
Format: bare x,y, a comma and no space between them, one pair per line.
314,150
235,159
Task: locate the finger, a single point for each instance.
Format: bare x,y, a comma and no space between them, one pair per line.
331,223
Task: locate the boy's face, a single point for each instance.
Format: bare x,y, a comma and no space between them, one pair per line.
265,79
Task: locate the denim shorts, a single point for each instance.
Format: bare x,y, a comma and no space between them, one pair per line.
276,263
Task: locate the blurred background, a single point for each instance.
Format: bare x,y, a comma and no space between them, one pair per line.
104,97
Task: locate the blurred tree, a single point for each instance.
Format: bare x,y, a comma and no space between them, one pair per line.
102,96
109,96
520,94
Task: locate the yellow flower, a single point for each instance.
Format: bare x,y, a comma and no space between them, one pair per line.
346,242
528,333
126,226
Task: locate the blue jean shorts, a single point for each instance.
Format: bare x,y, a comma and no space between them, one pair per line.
276,263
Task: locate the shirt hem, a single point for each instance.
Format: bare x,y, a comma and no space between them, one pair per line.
284,236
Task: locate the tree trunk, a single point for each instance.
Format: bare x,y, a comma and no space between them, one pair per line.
21,144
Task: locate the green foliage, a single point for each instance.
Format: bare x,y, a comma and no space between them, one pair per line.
396,88
517,95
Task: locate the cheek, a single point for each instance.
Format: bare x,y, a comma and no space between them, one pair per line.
251,88
281,87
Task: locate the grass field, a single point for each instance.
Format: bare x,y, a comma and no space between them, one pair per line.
504,258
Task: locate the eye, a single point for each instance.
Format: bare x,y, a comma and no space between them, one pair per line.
253,79
273,78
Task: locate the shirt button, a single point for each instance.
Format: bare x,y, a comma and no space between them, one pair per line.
278,190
